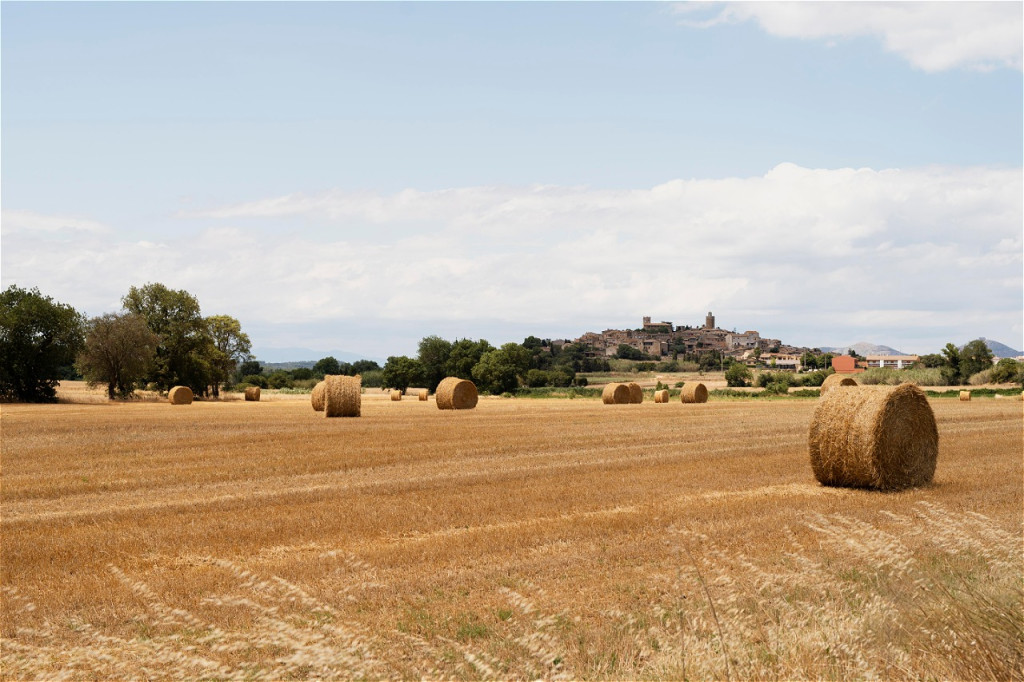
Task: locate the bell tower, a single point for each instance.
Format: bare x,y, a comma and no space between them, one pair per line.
709,321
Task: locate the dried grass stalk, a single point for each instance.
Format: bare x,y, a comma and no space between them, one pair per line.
965,396
661,396
424,394
615,394
396,394
317,396
252,393
693,392
180,395
636,394
454,393
833,380
875,437
343,396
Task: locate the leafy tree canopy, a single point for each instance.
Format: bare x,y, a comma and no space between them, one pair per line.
119,352
39,337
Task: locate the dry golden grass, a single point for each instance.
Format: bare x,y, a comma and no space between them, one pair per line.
552,539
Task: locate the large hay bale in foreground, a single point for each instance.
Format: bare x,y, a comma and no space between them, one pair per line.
965,396
875,437
317,396
661,396
252,393
454,393
396,395
833,380
180,395
636,394
694,392
424,394
615,394
343,396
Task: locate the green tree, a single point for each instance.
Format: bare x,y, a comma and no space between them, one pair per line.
363,366
809,361
737,375
1008,371
247,368
974,357
185,353
119,351
325,366
499,370
627,352
932,360
280,379
401,372
39,338
464,356
951,369
230,346
434,353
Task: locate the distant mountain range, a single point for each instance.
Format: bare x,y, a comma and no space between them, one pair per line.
1000,350
304,357
863,348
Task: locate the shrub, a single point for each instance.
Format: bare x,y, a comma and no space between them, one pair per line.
255,380
373,378
737,375
280,379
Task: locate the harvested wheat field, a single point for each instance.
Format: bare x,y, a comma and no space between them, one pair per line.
521,539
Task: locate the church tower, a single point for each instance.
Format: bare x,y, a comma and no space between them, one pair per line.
709,322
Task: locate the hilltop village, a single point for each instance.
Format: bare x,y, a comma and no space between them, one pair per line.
663,339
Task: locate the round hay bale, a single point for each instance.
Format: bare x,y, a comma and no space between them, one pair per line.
965,396
693,392
454,393
317,396
636,394
396,395
875,437
615,394
343,396
180,395
833,380
424,394
661,396
252,393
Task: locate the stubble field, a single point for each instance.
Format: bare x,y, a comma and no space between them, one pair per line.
521,539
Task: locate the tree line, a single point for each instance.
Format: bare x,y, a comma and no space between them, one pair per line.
532,363
160,339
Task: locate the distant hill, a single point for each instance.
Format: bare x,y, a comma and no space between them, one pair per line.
304,357
862,348
1000,350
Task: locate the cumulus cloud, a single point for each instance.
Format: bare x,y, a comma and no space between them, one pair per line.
810,255
933,36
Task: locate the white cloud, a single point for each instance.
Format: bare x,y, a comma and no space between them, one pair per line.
12,222
933,36
821,254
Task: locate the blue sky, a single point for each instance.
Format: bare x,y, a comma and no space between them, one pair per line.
350,176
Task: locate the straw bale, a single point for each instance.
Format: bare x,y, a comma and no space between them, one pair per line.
454,393
252,393
833,380
693,392
636,394
965,396
396,394
424,394
180,395
661,396
615,394
317,396
343,396
880,437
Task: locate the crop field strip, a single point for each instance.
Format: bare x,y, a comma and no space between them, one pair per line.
414,527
